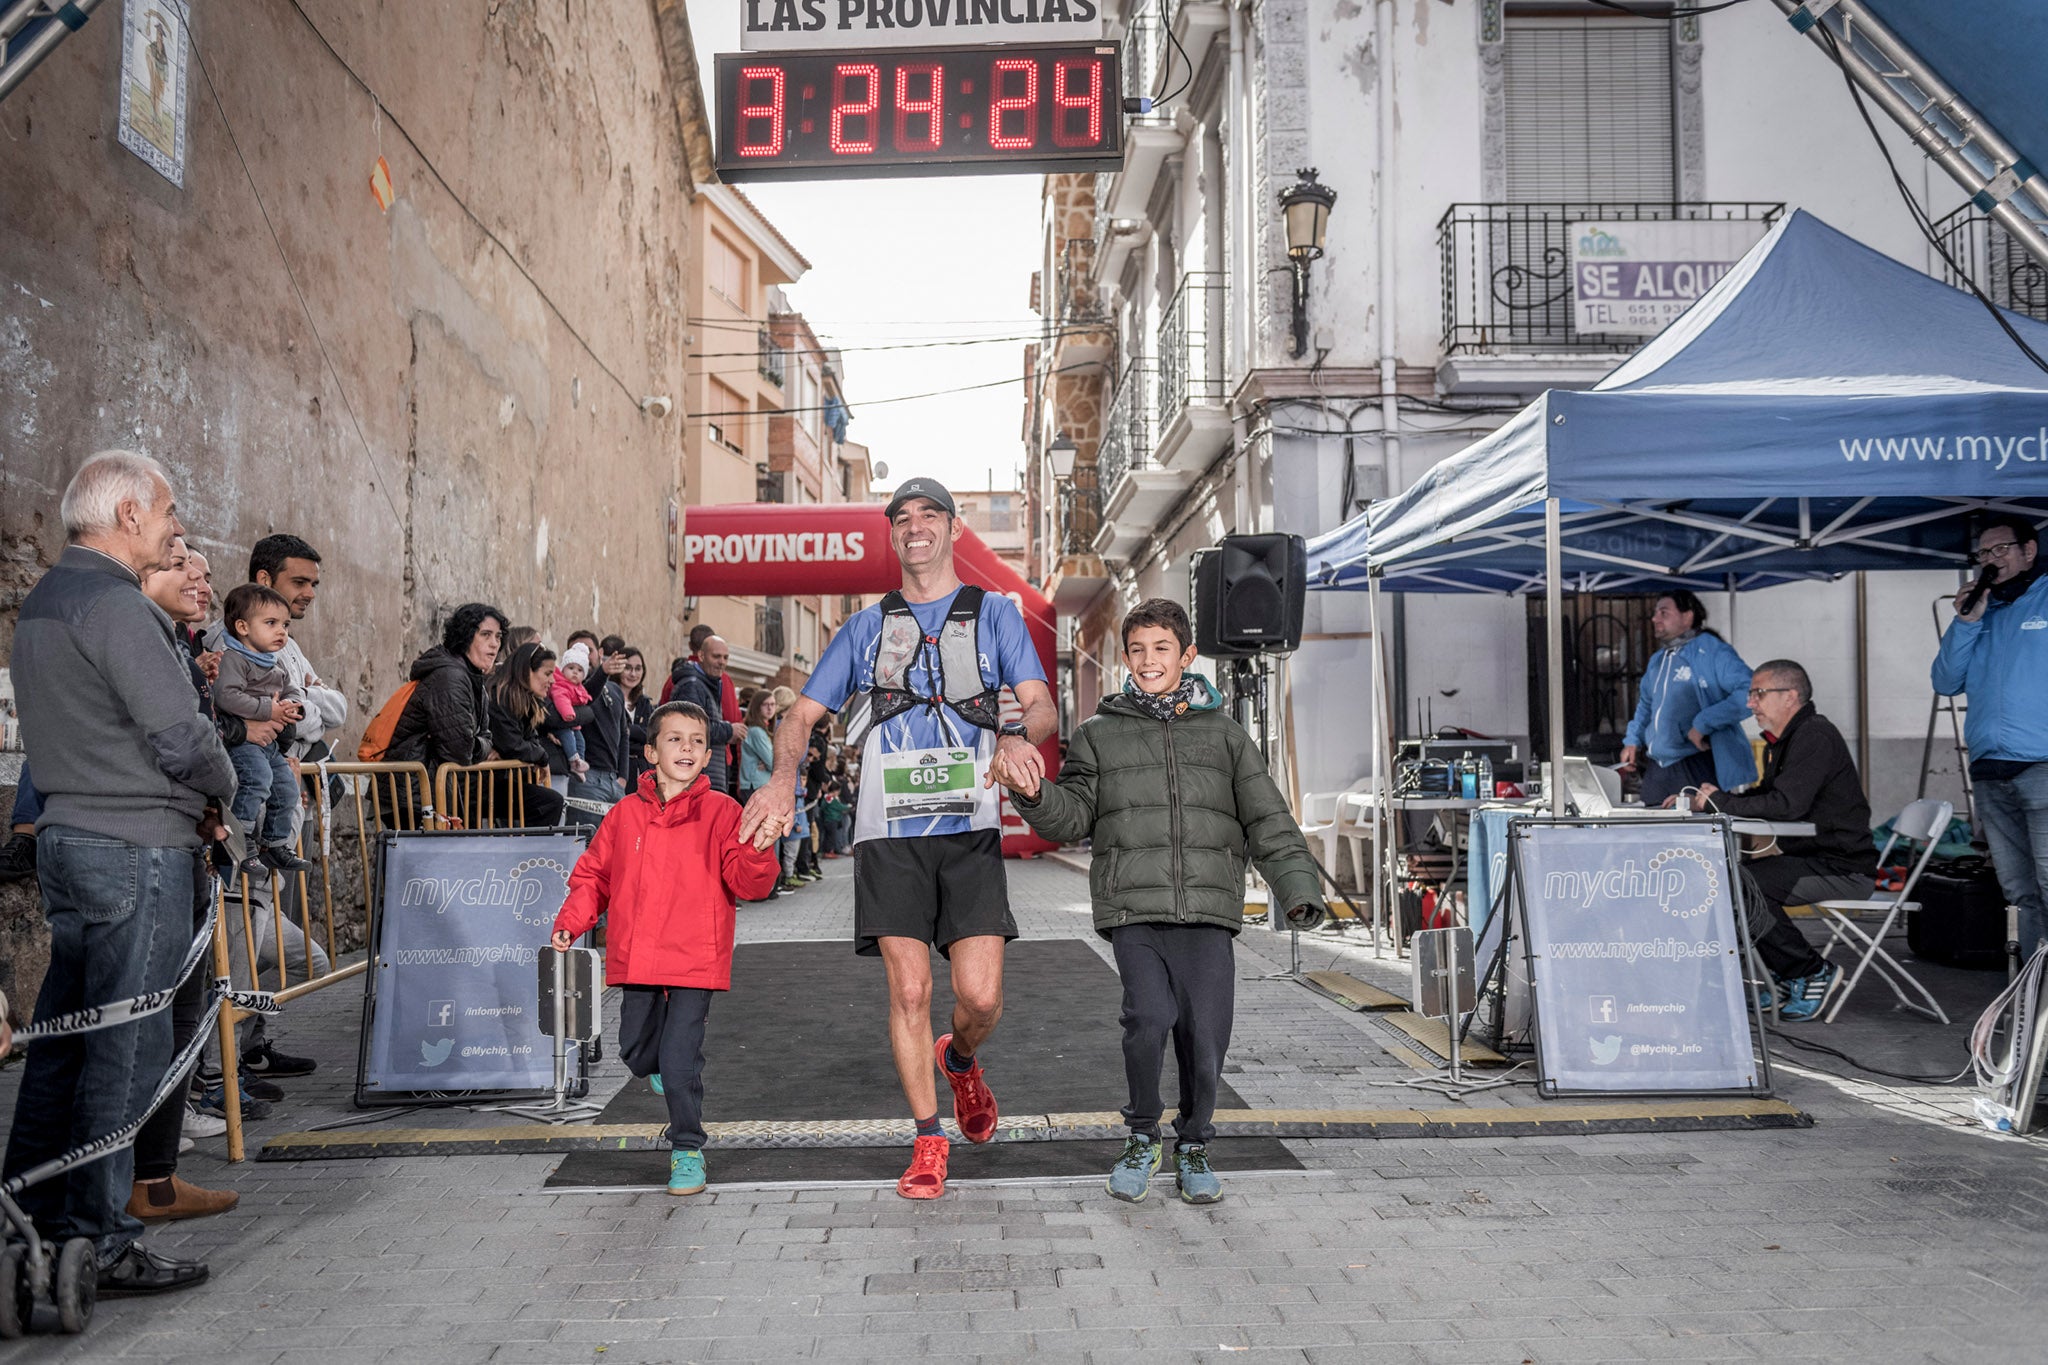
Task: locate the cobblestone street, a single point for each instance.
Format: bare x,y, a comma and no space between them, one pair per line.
1885,1232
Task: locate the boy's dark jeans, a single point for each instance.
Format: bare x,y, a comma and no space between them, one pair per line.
1180,981
661,1028
265,790
120,920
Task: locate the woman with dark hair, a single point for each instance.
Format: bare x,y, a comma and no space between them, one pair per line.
639,706
518,692
448,718
1688,723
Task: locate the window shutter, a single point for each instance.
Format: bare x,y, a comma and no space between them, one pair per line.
1588,110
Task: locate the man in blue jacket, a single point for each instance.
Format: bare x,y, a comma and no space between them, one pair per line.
1688,723
1996,650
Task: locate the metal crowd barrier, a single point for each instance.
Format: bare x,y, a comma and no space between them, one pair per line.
379,797
467,794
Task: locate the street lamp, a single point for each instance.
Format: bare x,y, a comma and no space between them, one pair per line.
1305,205
1062,450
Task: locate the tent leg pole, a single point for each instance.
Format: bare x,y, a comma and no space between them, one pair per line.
1383,782
1553,613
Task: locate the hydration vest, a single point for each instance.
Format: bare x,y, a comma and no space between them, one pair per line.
953,657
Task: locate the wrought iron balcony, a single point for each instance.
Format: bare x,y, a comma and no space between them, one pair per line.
1191,346
1507,270
769,638
1080,512
774,359
1994,262
1126,427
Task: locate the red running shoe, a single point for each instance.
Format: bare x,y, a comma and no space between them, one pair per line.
926,1178
974,1107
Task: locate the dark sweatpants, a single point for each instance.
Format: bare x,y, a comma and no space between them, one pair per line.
1179,980
1774,883
661,1028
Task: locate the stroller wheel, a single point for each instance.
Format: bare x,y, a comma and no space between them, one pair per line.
17,1299
78,1284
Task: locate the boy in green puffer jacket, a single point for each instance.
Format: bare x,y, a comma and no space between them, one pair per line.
1175,795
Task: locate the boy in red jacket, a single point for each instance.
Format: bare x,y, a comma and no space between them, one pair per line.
667,862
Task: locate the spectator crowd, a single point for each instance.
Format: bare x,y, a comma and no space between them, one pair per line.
168,743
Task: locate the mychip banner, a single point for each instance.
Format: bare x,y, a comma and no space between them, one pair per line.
452,993
1635,956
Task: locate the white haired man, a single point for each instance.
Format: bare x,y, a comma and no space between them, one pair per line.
132,776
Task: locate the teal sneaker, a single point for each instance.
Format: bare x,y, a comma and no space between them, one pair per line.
1131,1177
1808,996
685,1172
655,1081
1198,1184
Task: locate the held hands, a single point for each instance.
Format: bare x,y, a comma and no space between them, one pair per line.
288,711
209,665
770,830
1018,766
262,731
773,808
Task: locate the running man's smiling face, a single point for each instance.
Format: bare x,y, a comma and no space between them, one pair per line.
923,533
678,749
1156,659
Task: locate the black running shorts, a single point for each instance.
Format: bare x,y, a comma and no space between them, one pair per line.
935,889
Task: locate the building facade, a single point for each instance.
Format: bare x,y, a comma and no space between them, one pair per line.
1209,384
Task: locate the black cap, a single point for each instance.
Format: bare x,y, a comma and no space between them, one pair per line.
930,489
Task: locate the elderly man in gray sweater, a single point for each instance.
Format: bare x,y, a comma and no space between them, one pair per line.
133,778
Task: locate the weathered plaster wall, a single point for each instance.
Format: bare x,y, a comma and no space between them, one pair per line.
464,442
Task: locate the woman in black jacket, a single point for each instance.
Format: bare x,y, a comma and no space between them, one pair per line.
518,705
639,706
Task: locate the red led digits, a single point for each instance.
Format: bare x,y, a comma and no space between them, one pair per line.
751,113
1076,89
1025,104
931,107
867,108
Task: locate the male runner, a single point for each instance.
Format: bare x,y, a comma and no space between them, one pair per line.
927,664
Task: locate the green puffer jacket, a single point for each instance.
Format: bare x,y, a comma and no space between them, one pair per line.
1174,807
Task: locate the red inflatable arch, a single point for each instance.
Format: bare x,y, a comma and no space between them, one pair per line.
784,549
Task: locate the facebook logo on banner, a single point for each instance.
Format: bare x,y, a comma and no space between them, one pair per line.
440,1013
1602,1008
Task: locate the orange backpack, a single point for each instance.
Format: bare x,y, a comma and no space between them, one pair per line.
377,738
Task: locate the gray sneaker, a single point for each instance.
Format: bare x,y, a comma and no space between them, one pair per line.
1198,1184
1131,1177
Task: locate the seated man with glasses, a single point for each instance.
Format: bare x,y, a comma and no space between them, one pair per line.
1996,650
1810,777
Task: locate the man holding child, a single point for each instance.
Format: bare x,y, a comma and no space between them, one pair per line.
928,663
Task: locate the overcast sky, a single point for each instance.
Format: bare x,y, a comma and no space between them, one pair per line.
911,260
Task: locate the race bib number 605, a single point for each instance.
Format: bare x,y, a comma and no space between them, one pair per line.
927,782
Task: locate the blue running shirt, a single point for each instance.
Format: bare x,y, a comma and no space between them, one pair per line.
848,667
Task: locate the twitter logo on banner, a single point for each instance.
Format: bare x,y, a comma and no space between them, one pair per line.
1605,1050
433,1054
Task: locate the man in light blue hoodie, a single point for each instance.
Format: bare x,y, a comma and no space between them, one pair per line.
1688,723
1996,650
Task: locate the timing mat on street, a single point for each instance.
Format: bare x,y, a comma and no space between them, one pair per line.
799,1086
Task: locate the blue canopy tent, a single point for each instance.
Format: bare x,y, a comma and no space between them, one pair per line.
1822,409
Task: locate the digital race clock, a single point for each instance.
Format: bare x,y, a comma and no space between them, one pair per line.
929,111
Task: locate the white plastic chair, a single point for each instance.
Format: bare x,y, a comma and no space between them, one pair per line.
1920,820
1354,826
1327,817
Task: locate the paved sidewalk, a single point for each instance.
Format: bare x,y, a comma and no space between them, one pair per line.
1883,1233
